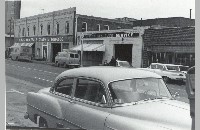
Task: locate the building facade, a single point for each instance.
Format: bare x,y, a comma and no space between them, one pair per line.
47,33
52,32
100,46
12,12
169,45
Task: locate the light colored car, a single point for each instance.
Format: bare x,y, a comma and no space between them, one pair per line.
120,63
67,59
167,71
105,98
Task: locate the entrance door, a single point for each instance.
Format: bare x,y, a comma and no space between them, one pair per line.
56,47
123,52
44,51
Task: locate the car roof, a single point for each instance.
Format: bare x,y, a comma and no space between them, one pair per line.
108,73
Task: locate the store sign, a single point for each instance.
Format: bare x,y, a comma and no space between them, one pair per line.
117,34
45,39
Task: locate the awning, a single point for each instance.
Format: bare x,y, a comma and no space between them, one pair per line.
22,44
90,47
27,44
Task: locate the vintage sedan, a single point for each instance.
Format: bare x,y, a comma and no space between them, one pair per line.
108,98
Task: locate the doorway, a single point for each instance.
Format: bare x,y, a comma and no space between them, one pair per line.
56,47
123,52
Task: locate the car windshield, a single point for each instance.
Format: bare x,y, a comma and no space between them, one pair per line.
124,64
170,67
140,89
183,68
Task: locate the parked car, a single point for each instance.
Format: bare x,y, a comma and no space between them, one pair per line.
167,71
104,98
122,63
21,53
183,68
67,59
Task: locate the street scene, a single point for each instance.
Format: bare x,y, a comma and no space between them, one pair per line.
66,68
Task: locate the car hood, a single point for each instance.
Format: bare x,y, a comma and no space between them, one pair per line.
171,114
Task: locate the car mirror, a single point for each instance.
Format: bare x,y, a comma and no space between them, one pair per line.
103,99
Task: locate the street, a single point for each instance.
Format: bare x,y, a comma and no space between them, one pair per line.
24,77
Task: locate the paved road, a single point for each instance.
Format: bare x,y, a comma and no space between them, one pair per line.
24,77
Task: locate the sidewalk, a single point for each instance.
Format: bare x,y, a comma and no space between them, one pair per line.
43,62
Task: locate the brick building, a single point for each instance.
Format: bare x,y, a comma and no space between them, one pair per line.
169,45
12,12
50,33
167,22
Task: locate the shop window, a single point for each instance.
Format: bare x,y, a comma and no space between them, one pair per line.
27,31
41,29
84,27
65,46
57,28
48,29
98,27
106,27
67,27
34,30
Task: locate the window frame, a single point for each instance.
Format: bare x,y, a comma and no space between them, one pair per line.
107,93
34,30
85,27
54,87
108,28
28,30
41,29
48,29
57,28
66,27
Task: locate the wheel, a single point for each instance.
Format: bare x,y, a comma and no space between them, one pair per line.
42,122
165,79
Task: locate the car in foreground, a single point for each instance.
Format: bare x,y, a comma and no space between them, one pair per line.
105,98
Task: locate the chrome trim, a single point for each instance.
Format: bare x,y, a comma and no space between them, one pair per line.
110,128
56,116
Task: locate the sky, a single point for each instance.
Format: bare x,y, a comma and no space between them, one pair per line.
145,9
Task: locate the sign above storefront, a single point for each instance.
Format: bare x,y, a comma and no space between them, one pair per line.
116,34
45,39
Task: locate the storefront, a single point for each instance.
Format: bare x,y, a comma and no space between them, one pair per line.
170,46
46,48
124,44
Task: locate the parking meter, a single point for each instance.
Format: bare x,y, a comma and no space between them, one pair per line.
190,89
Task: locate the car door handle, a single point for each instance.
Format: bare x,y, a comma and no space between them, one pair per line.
71,101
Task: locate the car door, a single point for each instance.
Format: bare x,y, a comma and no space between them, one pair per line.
87,108
63,90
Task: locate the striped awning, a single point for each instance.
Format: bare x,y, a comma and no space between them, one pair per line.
22,44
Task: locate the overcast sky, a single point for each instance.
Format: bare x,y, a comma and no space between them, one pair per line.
145,9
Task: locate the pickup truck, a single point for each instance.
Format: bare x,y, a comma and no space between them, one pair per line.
167,71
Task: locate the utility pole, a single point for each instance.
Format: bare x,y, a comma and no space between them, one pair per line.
190,13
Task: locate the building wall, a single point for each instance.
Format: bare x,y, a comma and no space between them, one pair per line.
173,45
168,22
93,21
12,10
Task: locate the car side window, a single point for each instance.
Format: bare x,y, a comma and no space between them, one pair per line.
160,67
153,66
89,90
65,86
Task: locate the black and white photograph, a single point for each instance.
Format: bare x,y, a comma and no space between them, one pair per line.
99,64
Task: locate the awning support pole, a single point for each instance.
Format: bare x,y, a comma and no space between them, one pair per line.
81,52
